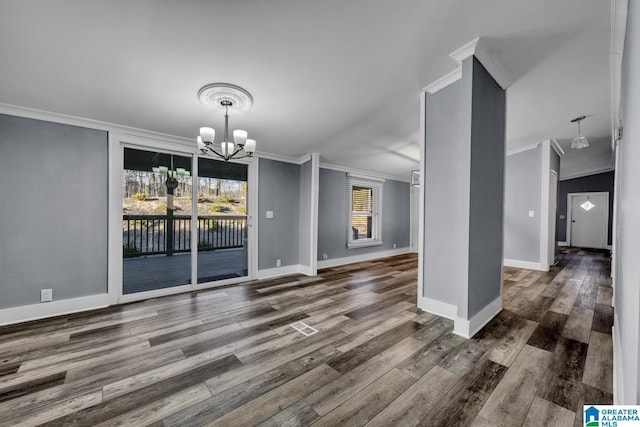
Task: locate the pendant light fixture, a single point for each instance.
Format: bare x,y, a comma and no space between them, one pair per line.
579,142
226,98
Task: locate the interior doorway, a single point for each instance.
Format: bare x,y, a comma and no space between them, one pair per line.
588,215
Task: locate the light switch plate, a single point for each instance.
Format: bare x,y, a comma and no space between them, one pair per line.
531,214
269,214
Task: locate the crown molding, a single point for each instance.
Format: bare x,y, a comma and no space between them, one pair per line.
586,173
444,81
556,147
49,116
522,149
283,158
478,47
363,173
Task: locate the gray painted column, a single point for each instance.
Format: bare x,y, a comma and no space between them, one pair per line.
463,198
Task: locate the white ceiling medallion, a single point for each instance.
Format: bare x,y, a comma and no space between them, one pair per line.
225,97
587,206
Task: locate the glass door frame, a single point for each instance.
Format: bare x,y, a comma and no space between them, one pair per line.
117,144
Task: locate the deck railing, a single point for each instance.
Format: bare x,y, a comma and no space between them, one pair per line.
147,234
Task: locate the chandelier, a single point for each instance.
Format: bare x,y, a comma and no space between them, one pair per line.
579,142
226,98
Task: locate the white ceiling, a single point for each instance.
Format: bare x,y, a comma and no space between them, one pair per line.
337,77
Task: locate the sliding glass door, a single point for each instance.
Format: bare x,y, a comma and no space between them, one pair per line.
162,224
222,220
156,220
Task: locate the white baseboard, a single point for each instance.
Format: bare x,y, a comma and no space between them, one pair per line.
563,244
468,328
360,258
618,389
523,264
307,270
269,273
438,308
43,310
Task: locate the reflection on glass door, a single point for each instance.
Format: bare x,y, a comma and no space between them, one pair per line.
222,220
156,221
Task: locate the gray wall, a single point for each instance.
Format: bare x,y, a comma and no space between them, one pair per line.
53,227
278,191
627,277
522,194
446,196
463,189
487,182
304,254
602,182
333,216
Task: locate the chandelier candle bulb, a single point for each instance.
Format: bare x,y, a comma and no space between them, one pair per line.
227,148
240,137
250,146
207,134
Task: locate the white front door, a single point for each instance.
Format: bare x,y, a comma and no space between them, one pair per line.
589,216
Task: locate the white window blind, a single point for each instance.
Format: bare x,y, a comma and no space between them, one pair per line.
364,227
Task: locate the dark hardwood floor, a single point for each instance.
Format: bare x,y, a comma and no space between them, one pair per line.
230,357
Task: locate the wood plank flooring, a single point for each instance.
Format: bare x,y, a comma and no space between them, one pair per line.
229,356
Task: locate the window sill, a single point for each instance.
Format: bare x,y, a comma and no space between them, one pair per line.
353,245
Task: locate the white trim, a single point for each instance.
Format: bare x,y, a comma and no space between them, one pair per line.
335,262
439,308
287,270
618,375
114,224
369,175
27,313
377,189
478,48
465,51
32,113
283,158
422,142
545,174
414,217
364,243
606,214
587,173
307,271
252,218
619,10
468,328
522,149
529,265
492,65
444,81
556,147
562,244
315,201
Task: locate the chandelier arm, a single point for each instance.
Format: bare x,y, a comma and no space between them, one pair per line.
216,153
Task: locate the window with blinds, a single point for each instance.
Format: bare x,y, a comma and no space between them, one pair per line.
365,202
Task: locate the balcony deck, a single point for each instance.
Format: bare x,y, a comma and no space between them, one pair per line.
160,271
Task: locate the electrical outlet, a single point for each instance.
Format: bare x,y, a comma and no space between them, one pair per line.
394,246
278,262
325,256
46,295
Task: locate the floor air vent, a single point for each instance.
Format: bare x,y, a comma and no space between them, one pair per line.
303,328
